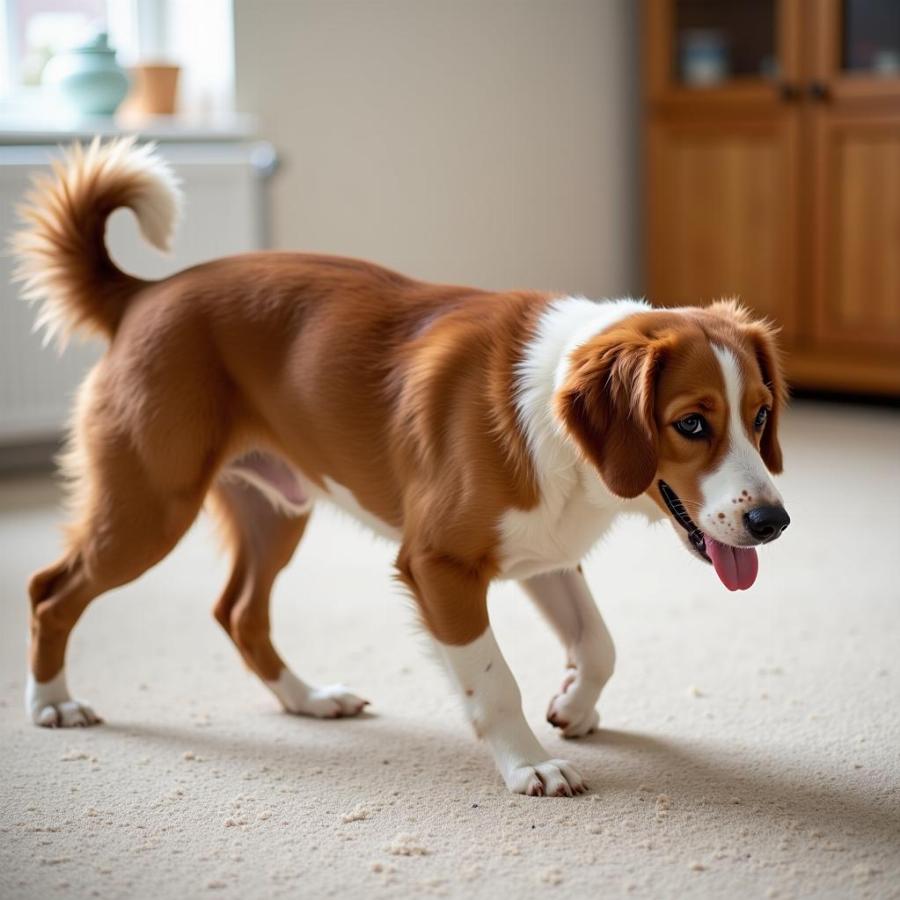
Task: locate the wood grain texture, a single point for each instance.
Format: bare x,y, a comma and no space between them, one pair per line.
856,207
790,201
721,213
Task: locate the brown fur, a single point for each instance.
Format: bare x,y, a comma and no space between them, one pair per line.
629,384
400,391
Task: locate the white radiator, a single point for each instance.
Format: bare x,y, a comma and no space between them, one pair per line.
223,213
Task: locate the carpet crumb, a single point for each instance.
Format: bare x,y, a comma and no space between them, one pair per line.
864,872
406,845
74,755
358,814
383,868
698,867
594,828
553,875
694,691
471,873
215,884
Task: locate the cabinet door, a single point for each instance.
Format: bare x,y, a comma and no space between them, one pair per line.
855,128
856,215
721,211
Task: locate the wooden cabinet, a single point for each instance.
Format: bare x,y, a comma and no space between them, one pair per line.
773,174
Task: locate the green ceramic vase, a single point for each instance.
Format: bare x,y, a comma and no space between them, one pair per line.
88,77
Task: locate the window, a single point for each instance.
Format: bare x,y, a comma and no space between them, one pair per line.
36,29
196,35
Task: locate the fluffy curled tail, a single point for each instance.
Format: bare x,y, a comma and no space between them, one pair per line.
61,256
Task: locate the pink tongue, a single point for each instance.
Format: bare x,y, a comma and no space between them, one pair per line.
735,566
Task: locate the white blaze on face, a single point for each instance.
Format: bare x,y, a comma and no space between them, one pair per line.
741,481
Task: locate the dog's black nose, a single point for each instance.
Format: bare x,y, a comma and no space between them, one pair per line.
766,523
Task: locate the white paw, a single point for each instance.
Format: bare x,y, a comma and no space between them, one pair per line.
48,704
553,778
299,698
331,702
69,714
572,710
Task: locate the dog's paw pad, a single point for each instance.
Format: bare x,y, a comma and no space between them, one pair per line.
553,778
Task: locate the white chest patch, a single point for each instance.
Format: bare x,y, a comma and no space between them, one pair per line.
575,509
556,534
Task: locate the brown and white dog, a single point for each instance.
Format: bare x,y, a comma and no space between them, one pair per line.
492,435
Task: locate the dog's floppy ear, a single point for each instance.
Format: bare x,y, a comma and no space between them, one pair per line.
607,406
762,336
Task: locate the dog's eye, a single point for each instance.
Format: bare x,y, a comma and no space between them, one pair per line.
692,426
761,418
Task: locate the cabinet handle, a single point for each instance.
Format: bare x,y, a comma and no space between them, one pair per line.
819,91
789,92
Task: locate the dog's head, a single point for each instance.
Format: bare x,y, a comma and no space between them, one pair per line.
684,406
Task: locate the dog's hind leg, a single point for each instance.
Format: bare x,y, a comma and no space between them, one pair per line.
565,601
126,523
262,538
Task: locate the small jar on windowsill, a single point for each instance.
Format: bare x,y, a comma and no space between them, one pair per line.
154,91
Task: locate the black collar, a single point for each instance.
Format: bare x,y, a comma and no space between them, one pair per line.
676,507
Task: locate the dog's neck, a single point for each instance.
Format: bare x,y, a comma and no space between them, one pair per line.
543,368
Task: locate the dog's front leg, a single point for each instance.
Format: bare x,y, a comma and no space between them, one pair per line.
565,601
453,600
494,706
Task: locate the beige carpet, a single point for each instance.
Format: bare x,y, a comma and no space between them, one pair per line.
751,744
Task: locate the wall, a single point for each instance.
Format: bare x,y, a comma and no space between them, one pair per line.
491,142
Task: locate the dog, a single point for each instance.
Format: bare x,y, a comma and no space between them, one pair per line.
491,435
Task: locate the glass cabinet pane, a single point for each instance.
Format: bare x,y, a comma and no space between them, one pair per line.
716,40
872,37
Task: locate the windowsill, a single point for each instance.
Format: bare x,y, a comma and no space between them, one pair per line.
25,129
